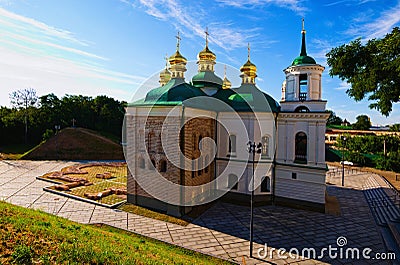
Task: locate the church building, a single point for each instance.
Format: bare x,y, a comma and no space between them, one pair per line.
195,135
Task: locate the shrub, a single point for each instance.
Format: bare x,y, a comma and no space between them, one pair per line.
47,134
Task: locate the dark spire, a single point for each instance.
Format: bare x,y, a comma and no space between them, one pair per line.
303,41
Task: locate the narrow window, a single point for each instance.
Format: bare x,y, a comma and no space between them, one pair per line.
303,87
266,184
232,145
294,175
199,143
163,166
142,163
199,166
233,181
265,146
193,168
301,148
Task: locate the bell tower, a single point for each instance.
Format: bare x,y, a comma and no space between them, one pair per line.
302,88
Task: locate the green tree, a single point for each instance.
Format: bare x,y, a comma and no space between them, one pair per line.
372,69
333,119
363,123
395,127
24,99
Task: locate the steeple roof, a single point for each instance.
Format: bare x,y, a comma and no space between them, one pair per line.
303,58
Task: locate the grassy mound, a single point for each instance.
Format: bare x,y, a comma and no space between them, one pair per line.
76,144
33,237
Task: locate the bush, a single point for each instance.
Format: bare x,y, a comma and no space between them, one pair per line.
47,134
356,158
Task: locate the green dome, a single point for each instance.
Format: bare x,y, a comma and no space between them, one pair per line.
172,93
207,78
248,98
303,59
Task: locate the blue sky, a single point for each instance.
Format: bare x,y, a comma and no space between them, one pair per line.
110,47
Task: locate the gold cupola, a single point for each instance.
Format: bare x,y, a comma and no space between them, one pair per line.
248,70
177,62
206,58
165,75
226,84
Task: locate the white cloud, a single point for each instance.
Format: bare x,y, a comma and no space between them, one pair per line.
51,60
223,34
370,28
48,30
294,5
343,86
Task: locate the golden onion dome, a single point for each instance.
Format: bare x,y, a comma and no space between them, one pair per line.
177,58
206,55
165,73
249,69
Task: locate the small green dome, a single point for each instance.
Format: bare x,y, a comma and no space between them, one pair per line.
205,78
303,59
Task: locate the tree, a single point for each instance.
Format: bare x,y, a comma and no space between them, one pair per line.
333,119
23,99
372,70
395,127
363,123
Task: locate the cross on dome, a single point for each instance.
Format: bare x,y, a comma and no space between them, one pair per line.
178,41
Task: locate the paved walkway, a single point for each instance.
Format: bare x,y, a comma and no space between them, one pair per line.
223,229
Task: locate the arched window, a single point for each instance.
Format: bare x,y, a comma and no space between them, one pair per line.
142,163
300,148
233,181
207,161
232,145
163,166
266,184
265,146
302,109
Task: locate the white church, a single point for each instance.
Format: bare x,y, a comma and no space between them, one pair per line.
195,134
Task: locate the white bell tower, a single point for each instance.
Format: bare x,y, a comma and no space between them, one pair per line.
303,87
300,160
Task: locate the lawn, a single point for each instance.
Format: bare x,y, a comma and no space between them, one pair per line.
34,237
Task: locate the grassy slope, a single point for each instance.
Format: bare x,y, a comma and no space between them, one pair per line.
29,236
77,144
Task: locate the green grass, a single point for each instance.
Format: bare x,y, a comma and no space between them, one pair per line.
34,237
340,127
131,208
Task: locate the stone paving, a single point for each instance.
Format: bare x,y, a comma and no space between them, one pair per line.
223,230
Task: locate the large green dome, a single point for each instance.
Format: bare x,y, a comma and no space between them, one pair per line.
303,59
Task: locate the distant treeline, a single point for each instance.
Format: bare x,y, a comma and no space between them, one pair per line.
101,113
